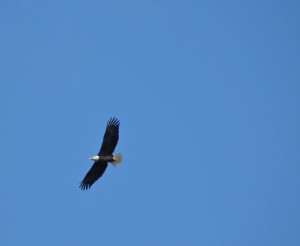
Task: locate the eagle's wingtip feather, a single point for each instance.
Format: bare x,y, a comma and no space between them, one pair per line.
113,121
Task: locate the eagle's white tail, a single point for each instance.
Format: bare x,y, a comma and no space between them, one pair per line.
117,158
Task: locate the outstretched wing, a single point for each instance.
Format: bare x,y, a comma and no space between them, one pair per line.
110,138
93,174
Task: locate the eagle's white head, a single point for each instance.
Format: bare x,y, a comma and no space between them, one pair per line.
94,158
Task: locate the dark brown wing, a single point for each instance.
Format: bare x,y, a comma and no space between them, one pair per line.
93,174
110,138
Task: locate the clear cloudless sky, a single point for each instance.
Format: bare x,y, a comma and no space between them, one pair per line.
208,96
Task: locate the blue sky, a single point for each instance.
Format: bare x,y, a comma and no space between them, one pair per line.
208,96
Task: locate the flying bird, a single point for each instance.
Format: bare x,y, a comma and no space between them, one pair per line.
105,154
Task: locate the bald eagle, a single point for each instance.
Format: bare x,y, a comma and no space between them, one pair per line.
105,155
